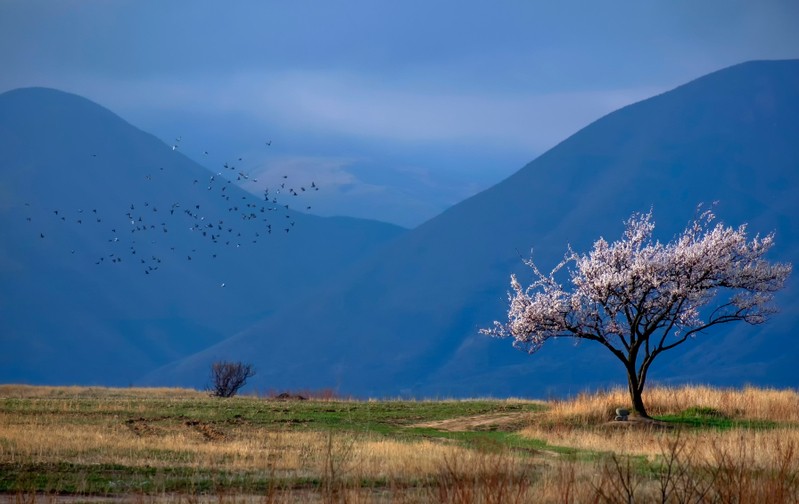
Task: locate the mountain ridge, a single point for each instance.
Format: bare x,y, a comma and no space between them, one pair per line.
416,306
106,257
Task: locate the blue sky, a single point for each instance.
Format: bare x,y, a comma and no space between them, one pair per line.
397,109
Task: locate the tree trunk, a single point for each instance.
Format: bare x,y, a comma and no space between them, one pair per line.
636,394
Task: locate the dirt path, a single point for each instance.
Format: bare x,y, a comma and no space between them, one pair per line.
517,420
486,422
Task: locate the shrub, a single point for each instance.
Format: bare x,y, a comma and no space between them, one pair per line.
228,377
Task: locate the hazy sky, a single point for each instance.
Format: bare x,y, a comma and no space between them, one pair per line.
398,109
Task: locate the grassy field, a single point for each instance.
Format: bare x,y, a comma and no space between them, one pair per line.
76,444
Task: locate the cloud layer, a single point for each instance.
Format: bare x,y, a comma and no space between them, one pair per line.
385,91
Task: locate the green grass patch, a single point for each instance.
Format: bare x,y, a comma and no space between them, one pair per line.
702,417
381,417
111,479
495,442
176,472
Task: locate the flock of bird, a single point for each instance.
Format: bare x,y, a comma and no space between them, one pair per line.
142,232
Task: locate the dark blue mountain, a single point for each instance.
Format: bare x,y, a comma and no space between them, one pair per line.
406,320
119,254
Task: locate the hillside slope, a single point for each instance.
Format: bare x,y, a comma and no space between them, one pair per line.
120,254
407,322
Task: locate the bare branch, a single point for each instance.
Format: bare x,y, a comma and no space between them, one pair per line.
228,377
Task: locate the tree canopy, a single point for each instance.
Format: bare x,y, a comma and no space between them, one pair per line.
639,297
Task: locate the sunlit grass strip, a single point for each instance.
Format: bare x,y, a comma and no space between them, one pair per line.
747,403
39,391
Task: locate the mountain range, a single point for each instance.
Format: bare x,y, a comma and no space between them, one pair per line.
373,310
119,254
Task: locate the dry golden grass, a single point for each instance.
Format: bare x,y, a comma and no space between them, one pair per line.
49,439
18,391
748,403
61,426
608,462
761,462
761,445
582,422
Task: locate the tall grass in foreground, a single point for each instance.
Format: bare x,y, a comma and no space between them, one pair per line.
180,446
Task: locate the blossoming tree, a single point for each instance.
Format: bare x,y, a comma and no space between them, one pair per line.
639,298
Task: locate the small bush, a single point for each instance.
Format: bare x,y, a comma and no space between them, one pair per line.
228,377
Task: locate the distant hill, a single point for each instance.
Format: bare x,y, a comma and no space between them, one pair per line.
406,321
119,254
